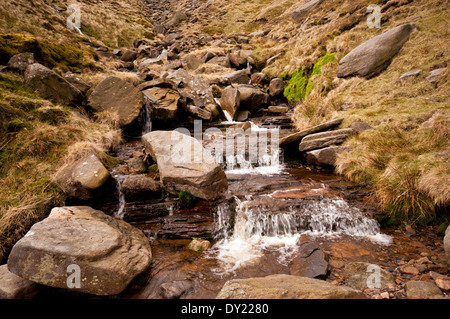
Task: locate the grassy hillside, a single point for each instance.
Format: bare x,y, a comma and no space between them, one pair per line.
37,136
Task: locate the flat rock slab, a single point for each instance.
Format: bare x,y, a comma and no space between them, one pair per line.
324,139
373,56
297,137
422,290
286,287
184,165
108,253
361,275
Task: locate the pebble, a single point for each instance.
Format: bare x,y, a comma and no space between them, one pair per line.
443,284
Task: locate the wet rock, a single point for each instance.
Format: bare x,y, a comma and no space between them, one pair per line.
109,253
136,166
117,96
243,116
199,244
435,75
236,77
214,110
231,101
447,245
20,62
175,289
359,275
373,56
310,261
409,269
184,165
295,138
140,187
422,290
348,250
162,103
192,87
252,98
14,287
51,86
276,87
410,74
84,179
324,139
285,287
325,156
302,12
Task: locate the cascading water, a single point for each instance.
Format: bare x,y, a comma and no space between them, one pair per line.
258,228
146,119
122,202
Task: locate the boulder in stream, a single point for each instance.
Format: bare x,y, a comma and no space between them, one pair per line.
184,165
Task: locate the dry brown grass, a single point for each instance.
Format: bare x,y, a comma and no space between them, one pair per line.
33,149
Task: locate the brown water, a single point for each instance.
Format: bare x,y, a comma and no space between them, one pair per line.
256,229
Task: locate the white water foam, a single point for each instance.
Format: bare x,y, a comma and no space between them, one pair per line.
120,213
258,229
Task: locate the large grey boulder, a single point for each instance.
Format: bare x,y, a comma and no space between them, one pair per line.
184,165
84,179
447,245
302,12
286,287
325,156
51,86
105,253
373,56
117,96
324,139
14,287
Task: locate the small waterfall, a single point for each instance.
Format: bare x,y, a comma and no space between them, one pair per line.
146,119
259,228
120,213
